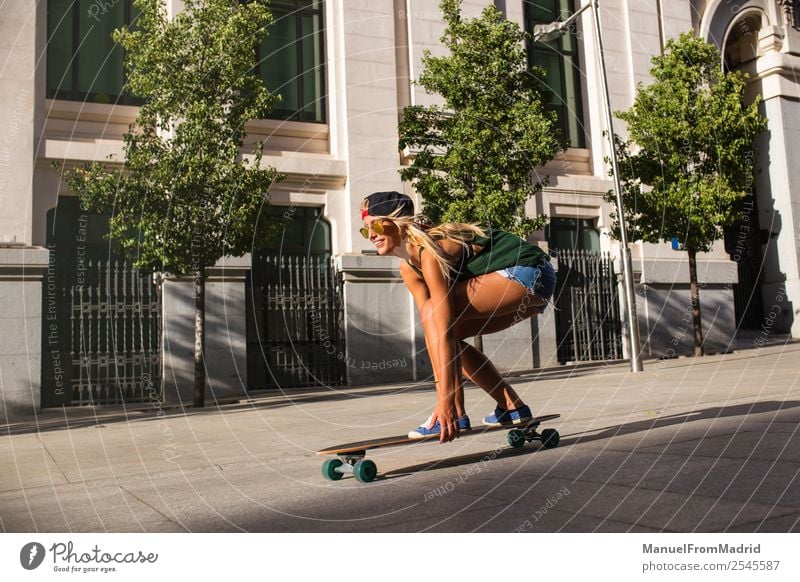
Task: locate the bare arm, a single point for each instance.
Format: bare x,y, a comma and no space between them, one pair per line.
441,342
416,285
419,290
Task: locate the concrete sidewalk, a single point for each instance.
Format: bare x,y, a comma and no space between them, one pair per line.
689,445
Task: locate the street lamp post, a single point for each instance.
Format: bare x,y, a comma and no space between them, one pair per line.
546,33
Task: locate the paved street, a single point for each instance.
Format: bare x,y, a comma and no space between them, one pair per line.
704,445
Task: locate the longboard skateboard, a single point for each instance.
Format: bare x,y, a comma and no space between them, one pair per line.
351,457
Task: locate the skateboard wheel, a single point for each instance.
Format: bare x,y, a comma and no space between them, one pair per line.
550,438
329,469
515,438
365,471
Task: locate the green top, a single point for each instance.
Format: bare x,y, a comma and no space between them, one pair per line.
500,250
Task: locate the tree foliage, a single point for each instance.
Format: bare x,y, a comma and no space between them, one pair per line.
689,160
184,195
476,153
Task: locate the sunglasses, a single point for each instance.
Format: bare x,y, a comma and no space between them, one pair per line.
376,227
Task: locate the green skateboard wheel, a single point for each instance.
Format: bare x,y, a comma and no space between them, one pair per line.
329,469
550,438
365,471
515,438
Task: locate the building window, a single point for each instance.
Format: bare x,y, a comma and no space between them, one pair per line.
559,58
83,62
290,60
307,232
572,234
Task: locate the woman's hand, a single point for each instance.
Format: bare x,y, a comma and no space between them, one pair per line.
447,416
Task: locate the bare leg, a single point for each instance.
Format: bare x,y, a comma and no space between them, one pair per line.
485,304
478,368
490,304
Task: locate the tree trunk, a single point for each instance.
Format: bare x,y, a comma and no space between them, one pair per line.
698,322
199,337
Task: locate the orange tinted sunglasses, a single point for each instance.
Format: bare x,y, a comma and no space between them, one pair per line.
376,227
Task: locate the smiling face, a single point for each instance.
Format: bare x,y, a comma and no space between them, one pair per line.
386,241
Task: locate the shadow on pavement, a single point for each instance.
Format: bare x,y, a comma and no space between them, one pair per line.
53,419
470,459
738,410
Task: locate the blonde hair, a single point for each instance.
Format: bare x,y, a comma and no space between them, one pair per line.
427,237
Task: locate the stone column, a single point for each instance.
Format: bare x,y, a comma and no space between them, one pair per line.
778,184
17,105
778,197
22,268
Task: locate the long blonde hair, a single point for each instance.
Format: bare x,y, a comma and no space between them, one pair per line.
427,237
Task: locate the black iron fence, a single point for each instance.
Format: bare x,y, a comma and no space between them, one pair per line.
295,323
102,334
588,321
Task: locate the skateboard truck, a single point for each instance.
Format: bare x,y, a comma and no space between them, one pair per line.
353,462
517,437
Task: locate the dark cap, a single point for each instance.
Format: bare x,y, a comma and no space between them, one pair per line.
386,203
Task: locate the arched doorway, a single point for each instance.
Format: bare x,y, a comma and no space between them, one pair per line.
295,325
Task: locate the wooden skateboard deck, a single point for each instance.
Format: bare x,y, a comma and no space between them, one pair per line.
351,456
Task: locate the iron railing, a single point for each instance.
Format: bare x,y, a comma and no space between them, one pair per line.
588,321
115,335
296,323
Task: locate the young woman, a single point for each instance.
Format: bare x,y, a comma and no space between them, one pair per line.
465,281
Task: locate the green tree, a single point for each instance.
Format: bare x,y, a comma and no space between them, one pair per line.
475,155
689,162
185,195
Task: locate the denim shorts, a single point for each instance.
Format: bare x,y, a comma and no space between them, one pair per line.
540,279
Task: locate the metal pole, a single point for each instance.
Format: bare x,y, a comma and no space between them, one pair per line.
627,266
661,28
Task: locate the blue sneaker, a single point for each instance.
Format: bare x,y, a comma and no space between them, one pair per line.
502,416
423,431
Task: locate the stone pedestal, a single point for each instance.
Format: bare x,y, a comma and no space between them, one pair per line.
226,338
664,310
22,272
384,340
